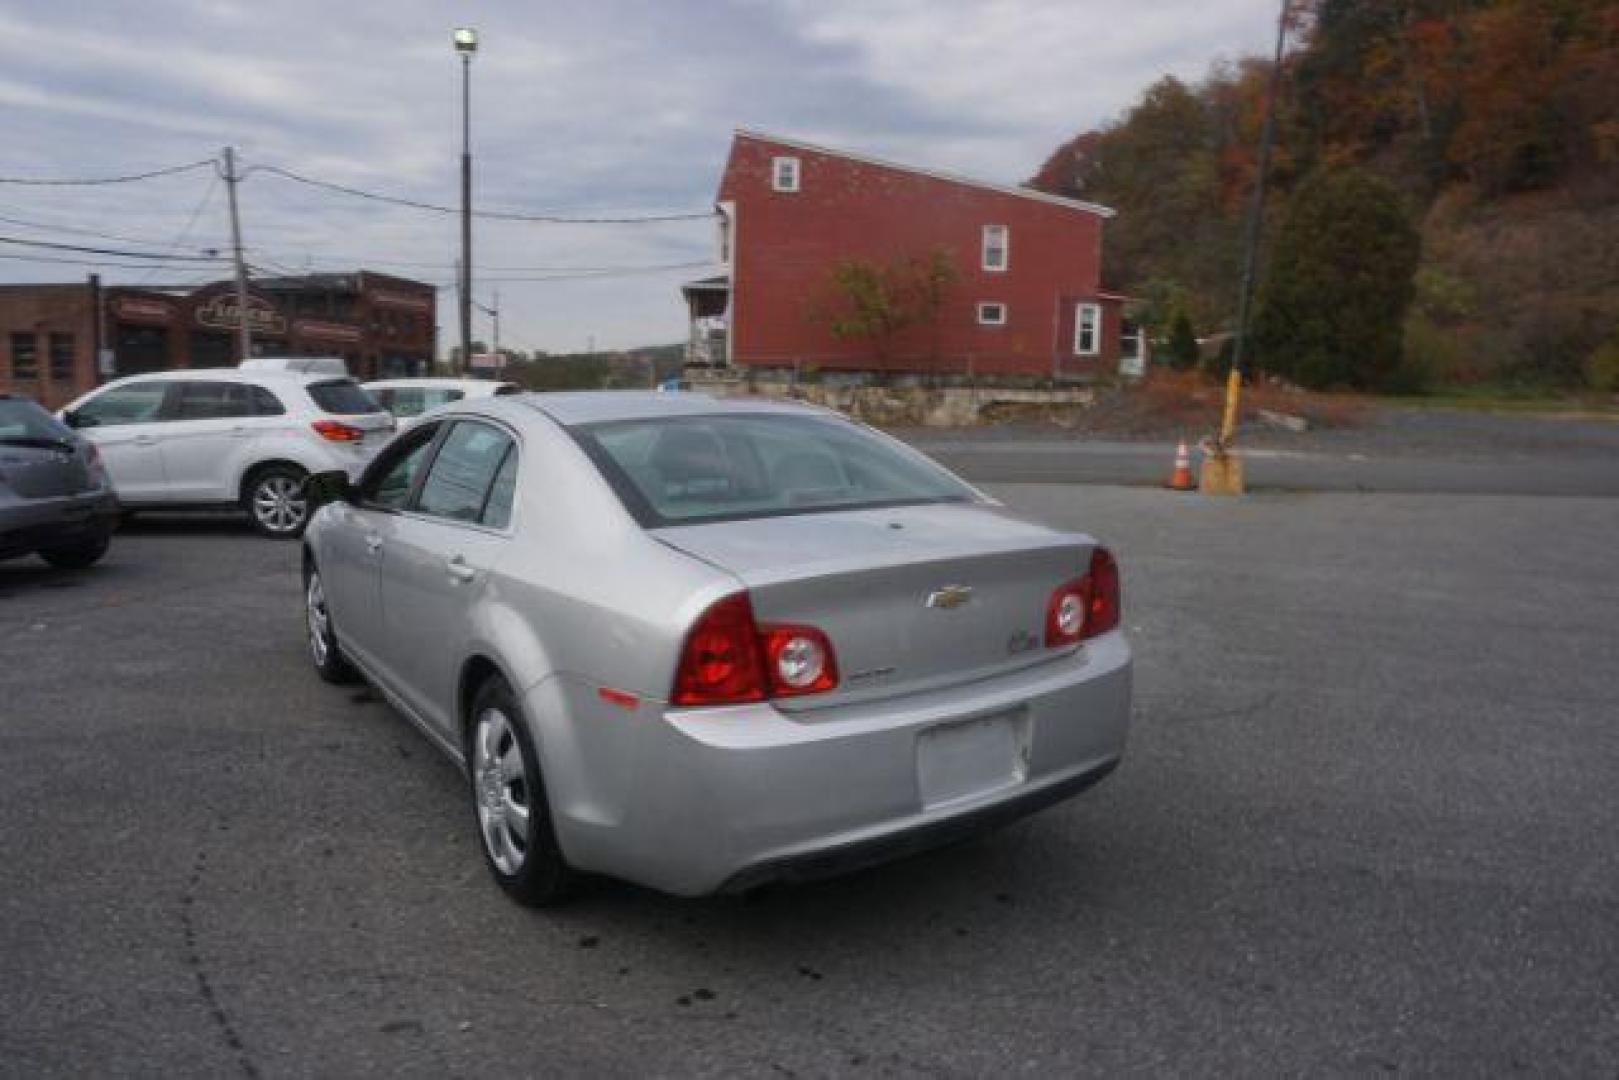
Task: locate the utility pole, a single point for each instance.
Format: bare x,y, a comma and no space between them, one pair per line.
244,334
1222,472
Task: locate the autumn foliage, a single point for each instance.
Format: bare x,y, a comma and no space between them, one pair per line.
1495,121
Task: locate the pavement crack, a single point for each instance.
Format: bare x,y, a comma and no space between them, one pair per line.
205,987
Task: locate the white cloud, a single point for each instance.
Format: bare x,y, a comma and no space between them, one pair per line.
622,105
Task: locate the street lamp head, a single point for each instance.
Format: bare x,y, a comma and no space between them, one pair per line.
466,40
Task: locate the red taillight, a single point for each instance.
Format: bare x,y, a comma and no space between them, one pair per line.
1085,607
720,663
729,659
332,431
1103,602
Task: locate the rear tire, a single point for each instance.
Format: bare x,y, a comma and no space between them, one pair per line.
77,556
509,803
324,651
276,501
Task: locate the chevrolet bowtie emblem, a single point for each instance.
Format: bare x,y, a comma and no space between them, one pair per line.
951,596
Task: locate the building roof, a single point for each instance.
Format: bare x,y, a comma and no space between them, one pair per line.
936,174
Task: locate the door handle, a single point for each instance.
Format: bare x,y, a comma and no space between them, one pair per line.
373,543
459,570
145,440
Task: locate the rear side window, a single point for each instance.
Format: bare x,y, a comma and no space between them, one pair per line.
22,419
464,472
266,403
213,401
136,403
343,397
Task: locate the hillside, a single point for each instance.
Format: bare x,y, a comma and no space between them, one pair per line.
1497,121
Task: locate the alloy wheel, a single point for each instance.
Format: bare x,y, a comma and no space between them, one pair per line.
279,503
320,622
502,789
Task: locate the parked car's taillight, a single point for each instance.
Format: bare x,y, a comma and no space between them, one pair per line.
333,431
1087,606
729,659
799,660
94,466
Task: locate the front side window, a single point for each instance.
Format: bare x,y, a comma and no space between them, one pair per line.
213,401
784,173
1087,329
389,482
459,483
727,467
135,403
996,242
24,357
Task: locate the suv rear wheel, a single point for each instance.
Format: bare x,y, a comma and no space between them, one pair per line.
276,501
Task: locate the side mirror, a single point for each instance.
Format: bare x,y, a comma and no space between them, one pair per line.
328,487
73,419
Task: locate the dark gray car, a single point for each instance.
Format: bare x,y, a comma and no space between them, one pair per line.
54,495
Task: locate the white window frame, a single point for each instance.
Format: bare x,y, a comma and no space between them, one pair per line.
1004,234
785,174
984,306
1087,316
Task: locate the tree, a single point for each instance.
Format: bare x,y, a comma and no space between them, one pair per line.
1332,309
1182,343
876,303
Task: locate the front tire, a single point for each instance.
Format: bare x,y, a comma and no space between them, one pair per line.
509,803
324,652
77,556
277,503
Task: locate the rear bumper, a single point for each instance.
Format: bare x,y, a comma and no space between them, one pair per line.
844,858
692,801
26,527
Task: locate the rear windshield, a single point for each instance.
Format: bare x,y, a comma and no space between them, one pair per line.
22,421
345,397
693,469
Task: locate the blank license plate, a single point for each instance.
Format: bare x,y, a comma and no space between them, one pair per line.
959,761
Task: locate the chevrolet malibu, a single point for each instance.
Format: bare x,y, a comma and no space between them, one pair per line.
704,645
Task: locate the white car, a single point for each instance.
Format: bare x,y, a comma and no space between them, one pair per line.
228,437
408,399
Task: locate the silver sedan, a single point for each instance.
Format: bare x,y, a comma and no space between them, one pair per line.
703,645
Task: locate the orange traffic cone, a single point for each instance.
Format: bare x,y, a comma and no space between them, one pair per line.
1181,478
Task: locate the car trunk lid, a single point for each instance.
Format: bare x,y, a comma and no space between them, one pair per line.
43,468
912,598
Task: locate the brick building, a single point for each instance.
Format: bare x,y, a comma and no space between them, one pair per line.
50,334
1026,299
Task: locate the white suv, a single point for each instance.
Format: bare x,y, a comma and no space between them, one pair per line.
232,436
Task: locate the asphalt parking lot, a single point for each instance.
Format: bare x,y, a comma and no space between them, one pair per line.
1366,824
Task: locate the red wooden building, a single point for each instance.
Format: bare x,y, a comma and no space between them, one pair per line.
1026,298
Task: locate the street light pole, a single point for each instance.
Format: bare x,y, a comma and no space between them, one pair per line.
466,43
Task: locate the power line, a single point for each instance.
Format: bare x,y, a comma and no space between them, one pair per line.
81,231
89,262
494,215
98,180
185,230
109,251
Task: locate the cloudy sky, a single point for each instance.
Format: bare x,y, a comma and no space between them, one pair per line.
580,107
